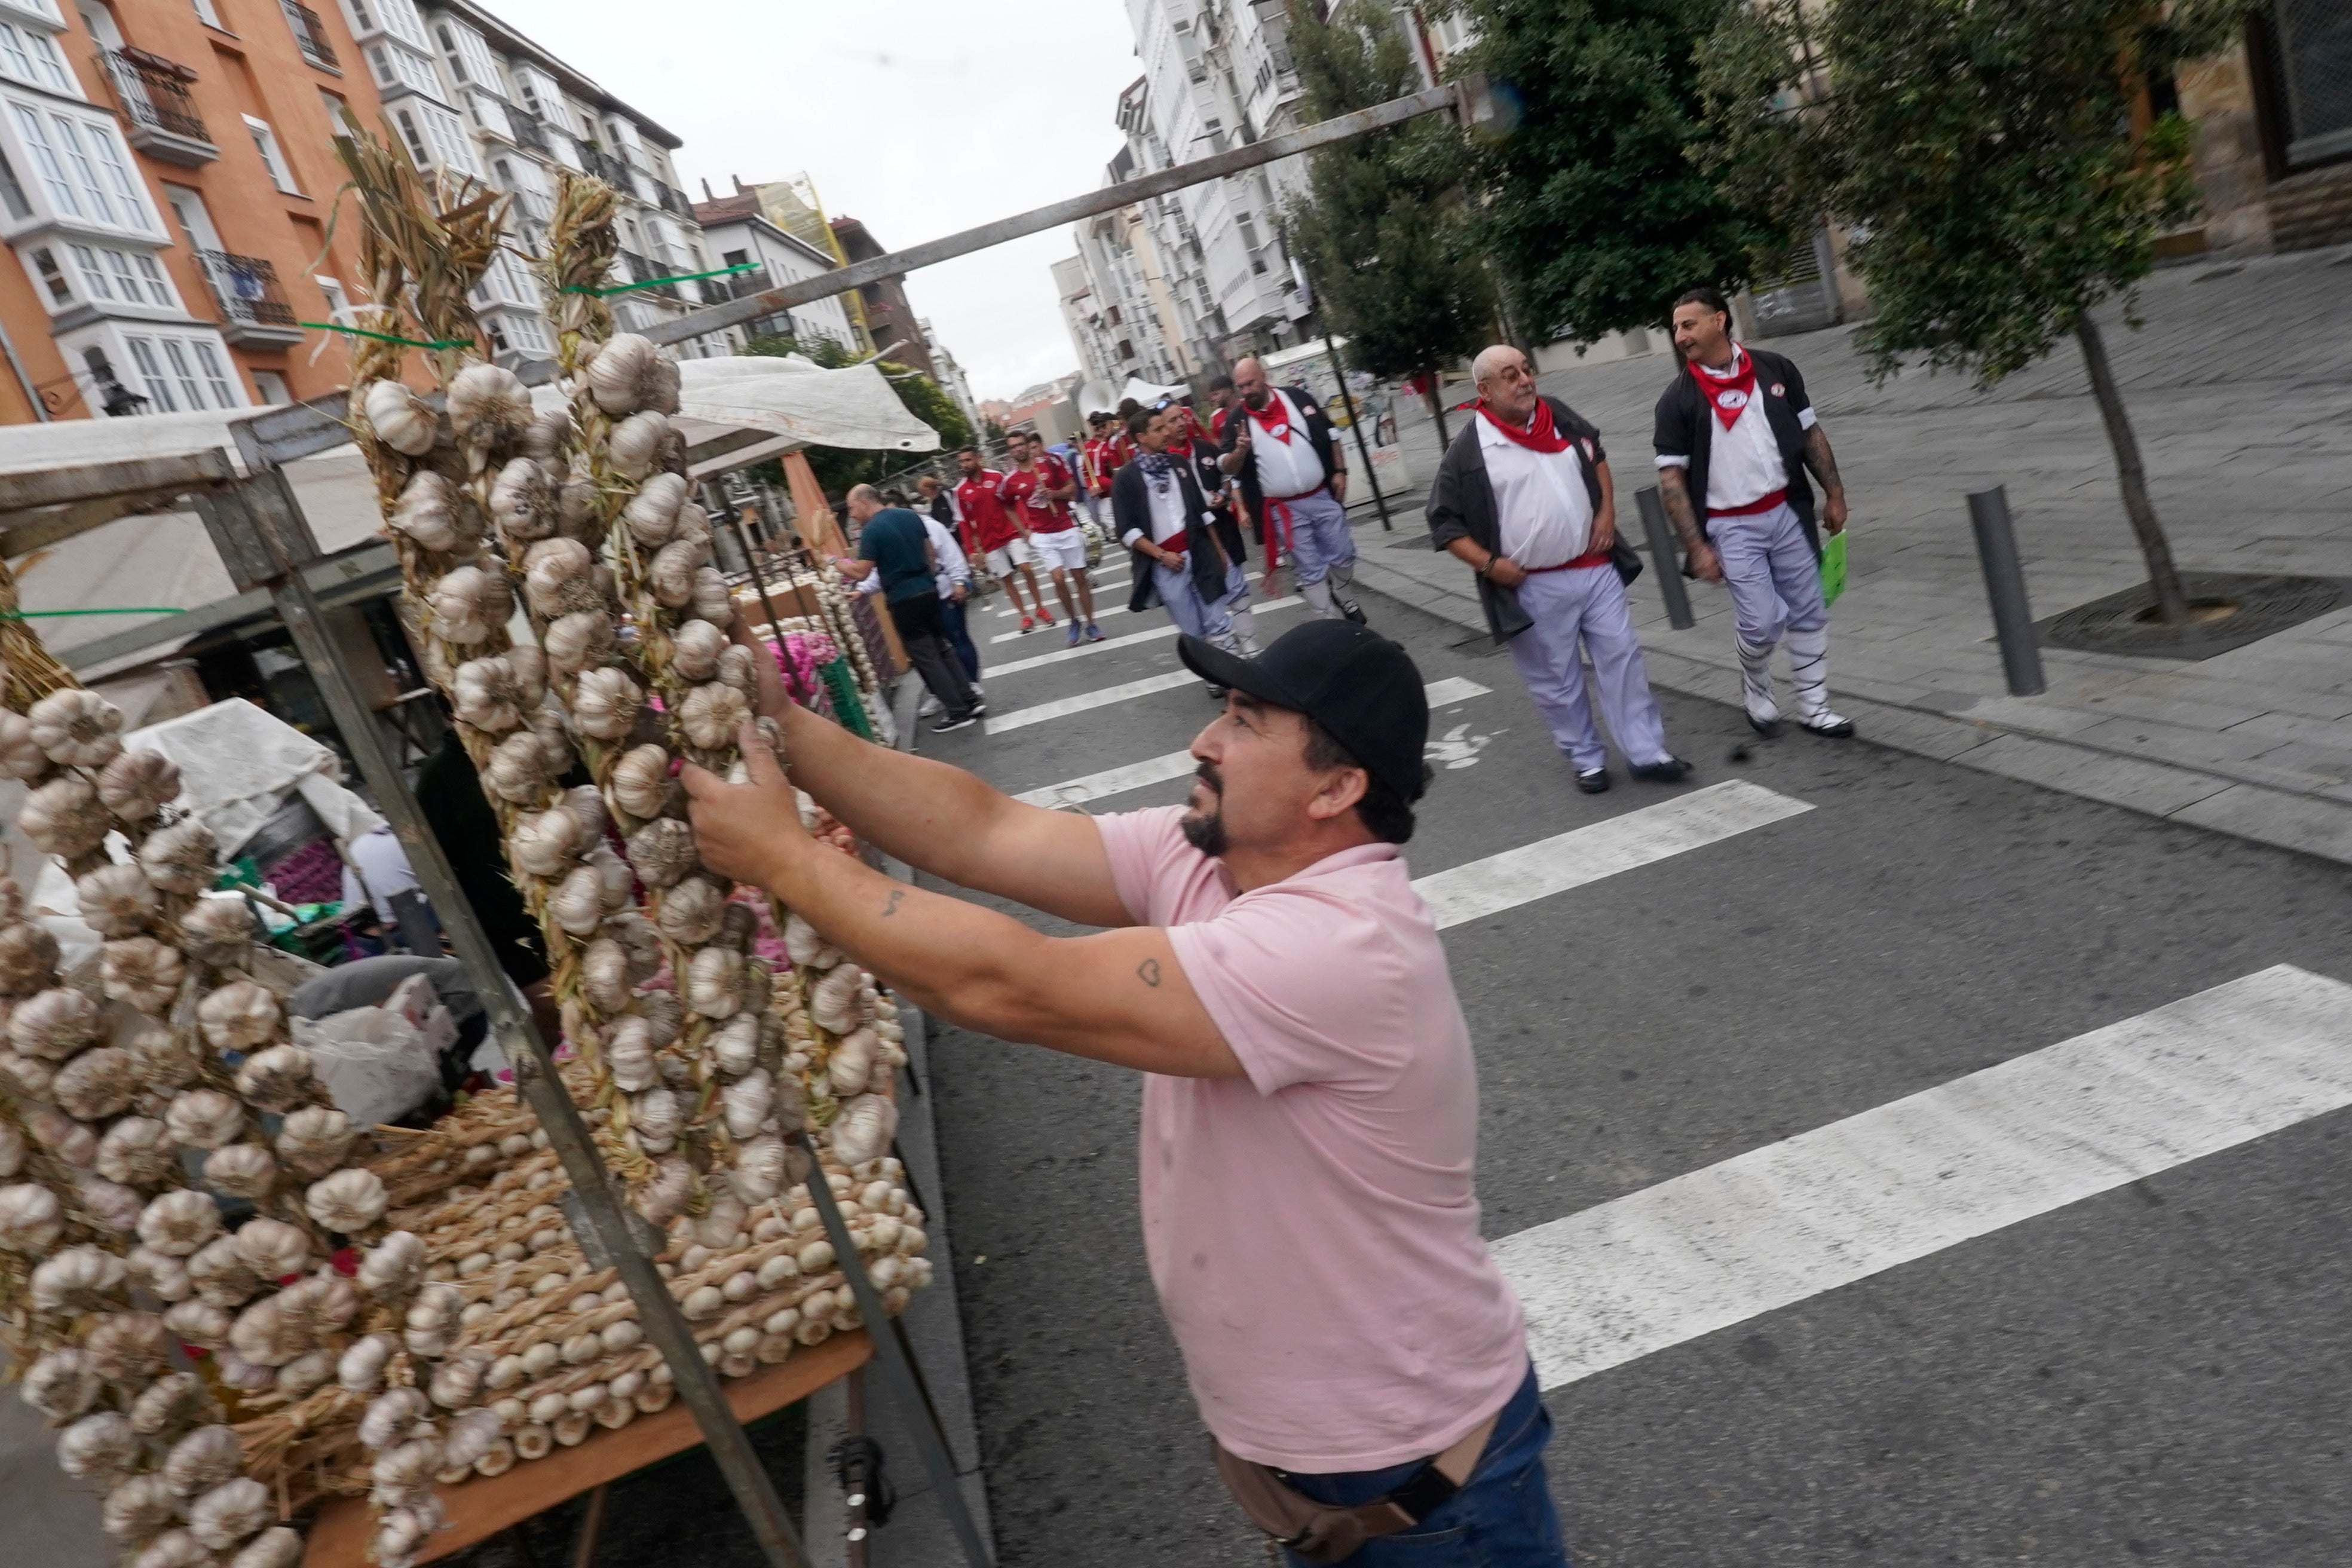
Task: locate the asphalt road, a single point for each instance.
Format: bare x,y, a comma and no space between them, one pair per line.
2154,1373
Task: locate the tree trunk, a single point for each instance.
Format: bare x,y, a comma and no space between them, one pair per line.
2171,603
1437,407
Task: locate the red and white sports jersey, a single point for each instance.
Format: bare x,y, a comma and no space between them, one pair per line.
1025,488
988,525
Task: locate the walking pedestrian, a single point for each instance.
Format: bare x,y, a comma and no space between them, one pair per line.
1309,1120
1524,495
1165,521
1038,490
1742,508
893,549
1279,441
997,535
1222,398
1094,466
1187,436
955,588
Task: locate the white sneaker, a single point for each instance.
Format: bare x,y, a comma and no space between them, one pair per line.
930,706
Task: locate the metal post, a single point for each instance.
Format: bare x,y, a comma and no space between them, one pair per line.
1355,423
1660,535
897,1369
606,1231
2004,576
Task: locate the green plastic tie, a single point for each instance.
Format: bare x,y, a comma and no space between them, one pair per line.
387,337
656,282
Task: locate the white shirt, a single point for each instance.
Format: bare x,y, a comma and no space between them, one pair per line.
1540,503
1289,468
1168,519
1744,463
954,570
384,867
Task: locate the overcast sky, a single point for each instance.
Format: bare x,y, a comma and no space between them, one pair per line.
919,116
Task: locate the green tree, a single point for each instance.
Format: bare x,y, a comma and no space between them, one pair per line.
1381,227
1594,208
1983,149
838,467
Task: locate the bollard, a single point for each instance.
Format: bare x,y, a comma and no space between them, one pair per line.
2004,576
1660,535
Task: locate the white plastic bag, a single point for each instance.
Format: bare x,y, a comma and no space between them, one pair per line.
374,1061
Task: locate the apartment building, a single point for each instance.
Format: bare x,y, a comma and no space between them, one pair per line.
1120,302
898,333
738,230
166,171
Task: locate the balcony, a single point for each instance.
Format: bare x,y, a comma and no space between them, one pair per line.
311,35
254,312
642,270
160,118
607,168
529,130
670,199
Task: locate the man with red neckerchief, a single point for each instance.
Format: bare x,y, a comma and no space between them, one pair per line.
1525,497
1735,433
1279,443
1039,489
995,536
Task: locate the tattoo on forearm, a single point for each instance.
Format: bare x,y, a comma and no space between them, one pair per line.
1673,488
1821,460
892,907
1149,973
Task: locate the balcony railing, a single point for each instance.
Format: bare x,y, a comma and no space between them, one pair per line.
310,34
642,270
607,168
253,311
153,95
529,130
670,199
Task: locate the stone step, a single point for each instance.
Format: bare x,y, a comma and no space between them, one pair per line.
2311,209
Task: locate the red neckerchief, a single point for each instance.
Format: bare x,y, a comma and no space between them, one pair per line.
1727,394
1273,419
1539,436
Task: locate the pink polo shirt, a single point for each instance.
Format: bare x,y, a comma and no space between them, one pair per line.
1313,1228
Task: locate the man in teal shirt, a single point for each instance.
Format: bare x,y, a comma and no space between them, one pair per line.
891,541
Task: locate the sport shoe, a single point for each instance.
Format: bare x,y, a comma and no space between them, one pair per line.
1828,725
1026,624
1673,770
1352,610
931,705
1093,632
979,706
1043,619
950,721
1072,641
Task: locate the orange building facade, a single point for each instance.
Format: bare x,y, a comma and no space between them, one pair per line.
167,175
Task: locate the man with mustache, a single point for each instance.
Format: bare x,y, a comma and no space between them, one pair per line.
1310,1102
1278,442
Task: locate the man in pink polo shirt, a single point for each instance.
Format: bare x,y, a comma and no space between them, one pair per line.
1310,1102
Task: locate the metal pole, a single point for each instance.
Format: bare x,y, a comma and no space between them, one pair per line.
897,1369
2004,576
607,1230
1356,423
1660,535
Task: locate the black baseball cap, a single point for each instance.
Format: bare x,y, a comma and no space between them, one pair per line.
1362,688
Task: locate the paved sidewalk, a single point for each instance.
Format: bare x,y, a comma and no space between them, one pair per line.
2241,388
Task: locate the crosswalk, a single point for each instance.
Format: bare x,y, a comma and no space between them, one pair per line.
1455,690
1108,645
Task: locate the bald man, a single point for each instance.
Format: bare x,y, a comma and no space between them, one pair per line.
1524,496
1278,443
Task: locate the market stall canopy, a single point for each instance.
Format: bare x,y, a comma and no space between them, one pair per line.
1097,395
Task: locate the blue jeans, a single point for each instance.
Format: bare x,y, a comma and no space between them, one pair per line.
1502,1517
958,639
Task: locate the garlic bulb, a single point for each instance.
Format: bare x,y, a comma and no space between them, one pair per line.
99,1446
747,1102
560,578
455,1384
714,601
96,1084
277,1079
762,1168
695,649
172,1549
28,956
578,902
580,641
389,1417
529,664
143,973
666,1195
544,843
200,1323
202,1461
314,1139
635,444
138,1508
27,1076
277,1547
522,503
605,704
833,1001
803,946
629,1056
111,1206
181,859
550,433
863,1129
77,728
238,1016
629,373
401,420
118,901
217,931
393,1266
735,1048
62,1385
516,770
690,912
470,604
12,1150
360,1368
21,757
230,1512
272,1249
604,974
672,573
64,817
168,1401
62,1135
641,781
652,513
135,1151
662,851
738,667
713,983
128,1347
177,1223
469,1435
657,1117
483,693
137,784
242,1171
712,713
266,1335
851,1066
221,1274
490,406
205,1119
430,513
348,1201
54,1024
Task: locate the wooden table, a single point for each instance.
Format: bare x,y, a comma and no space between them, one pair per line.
480,1507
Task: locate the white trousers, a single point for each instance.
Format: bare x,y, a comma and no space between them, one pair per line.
1319,541
1776,591
1575,613
1212,620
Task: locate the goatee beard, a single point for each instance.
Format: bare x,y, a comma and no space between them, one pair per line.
1206,834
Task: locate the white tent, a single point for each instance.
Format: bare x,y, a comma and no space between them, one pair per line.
1097,394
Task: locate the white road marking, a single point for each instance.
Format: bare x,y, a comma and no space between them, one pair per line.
1062,707
1584,855
1178,764
1101,585
1789,1221
1102,612
1060,655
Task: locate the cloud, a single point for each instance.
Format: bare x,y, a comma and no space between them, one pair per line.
921,118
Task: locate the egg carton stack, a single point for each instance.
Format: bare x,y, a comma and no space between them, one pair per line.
126,1135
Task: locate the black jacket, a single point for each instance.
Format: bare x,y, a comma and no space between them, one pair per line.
1130,511
1318,432
1686,427
1462,506
1213,481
